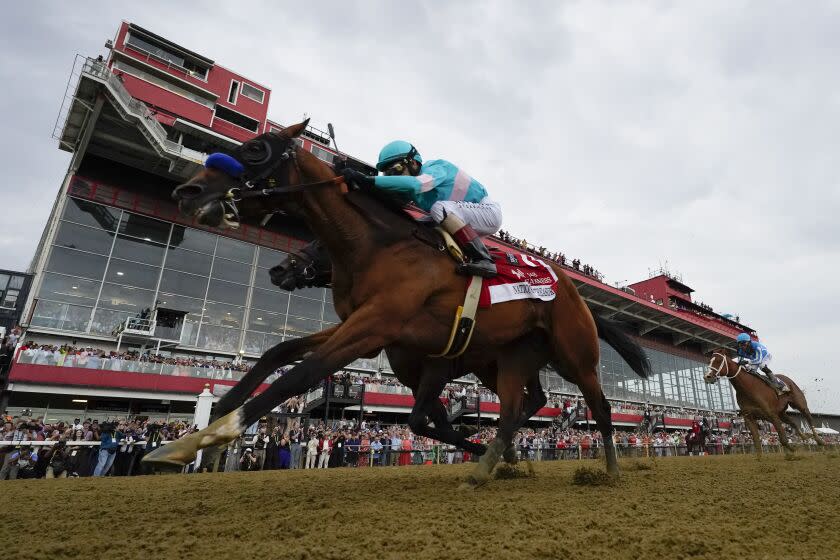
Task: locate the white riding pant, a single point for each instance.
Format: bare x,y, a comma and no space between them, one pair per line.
485,217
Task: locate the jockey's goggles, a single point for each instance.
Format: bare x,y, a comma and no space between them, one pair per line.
396,168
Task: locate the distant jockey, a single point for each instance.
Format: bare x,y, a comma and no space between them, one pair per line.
754,357
455,200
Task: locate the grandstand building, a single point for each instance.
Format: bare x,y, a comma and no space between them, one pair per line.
118,268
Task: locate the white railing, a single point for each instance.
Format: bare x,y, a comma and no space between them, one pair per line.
41,357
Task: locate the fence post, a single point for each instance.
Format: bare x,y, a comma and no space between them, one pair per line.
201,418
580,453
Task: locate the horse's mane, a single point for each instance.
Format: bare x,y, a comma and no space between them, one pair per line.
386,211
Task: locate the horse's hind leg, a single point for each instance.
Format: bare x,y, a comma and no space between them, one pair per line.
433,378
792,423
802,407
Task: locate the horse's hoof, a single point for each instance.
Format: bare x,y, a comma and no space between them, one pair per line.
179,453
529,466
510,457
478,449
473,482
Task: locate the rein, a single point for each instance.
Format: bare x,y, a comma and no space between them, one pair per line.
238,194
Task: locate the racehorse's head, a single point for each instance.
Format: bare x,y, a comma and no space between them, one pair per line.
260,163
718,366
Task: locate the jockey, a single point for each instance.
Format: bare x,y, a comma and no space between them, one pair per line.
754,357
454,200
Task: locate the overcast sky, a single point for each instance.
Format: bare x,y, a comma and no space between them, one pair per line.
629,134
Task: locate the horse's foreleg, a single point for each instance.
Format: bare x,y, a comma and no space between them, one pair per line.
780,430
752,425
535,400
427,406
360,335
517,365
276,357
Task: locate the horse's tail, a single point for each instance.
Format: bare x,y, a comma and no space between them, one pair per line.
614,335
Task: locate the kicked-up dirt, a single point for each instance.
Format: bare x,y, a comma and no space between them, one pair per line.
674,508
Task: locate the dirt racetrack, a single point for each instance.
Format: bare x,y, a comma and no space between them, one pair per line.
684,507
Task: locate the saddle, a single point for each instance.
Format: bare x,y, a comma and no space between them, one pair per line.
784,389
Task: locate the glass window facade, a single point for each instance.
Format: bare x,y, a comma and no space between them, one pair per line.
674,381
106,265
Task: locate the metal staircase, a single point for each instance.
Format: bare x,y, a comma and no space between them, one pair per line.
563,424
460,407
71,120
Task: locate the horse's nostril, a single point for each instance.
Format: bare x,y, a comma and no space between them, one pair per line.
187,192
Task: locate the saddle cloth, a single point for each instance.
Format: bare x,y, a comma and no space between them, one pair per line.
520,276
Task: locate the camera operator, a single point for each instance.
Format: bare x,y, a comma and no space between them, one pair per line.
248,462
58,459
259,443
18,435
153,437
23,463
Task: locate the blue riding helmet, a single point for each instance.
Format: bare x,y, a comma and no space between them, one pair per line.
395,151
743,337
226,163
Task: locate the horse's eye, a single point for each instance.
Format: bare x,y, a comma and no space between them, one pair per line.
256,152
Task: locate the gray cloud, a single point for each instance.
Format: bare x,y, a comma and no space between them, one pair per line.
624,133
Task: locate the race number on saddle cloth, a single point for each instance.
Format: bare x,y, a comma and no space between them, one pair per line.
520,276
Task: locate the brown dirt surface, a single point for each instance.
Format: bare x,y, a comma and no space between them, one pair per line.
686,507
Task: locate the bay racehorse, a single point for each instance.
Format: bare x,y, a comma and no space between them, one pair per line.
394,291
758,401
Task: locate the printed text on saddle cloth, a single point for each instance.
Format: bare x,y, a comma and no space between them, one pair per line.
520,277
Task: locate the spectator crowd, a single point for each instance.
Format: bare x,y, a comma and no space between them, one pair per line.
555,256
291,445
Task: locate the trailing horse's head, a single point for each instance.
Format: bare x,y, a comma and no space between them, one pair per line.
260,163
718,366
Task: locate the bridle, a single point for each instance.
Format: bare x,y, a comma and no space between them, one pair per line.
264,184
723,366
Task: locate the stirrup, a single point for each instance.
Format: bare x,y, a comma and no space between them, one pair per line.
481,268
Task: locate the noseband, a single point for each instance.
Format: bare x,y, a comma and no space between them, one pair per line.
724,365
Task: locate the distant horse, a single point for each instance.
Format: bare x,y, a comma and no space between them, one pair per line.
393,290
758,401
696,441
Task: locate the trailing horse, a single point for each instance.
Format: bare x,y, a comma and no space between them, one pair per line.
758,401
696,441
395,291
